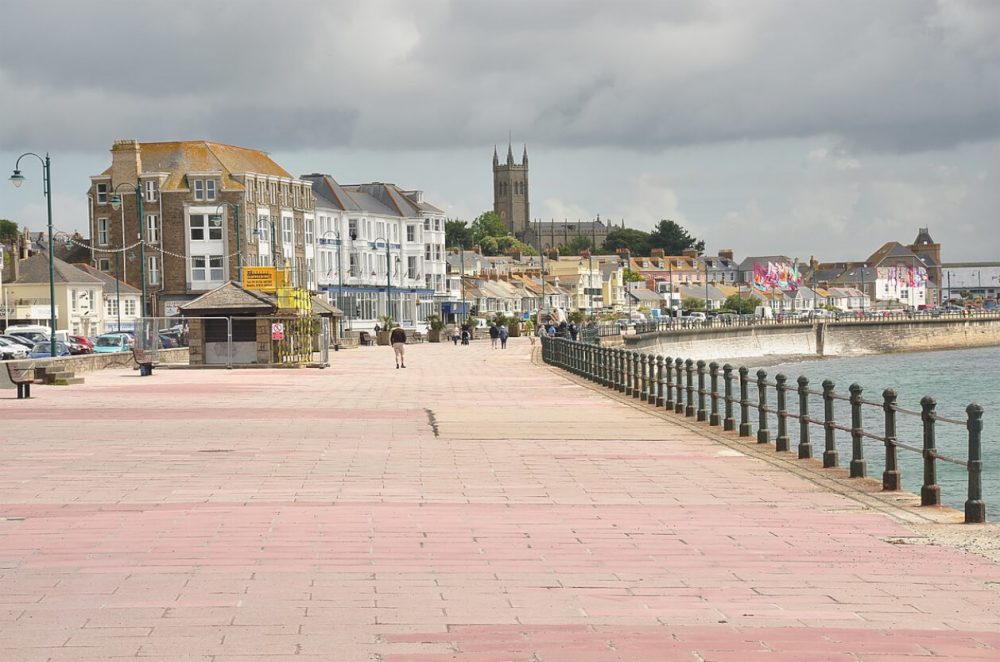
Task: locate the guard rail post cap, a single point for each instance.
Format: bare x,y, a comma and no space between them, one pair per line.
975,508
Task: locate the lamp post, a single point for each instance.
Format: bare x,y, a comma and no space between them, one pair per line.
116,204
17,179
269,226
949,288
706,286
235,209
340,274
388,276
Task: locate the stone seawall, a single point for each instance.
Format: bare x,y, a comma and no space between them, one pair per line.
90,362
824,339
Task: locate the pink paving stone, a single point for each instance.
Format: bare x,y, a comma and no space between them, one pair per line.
298,513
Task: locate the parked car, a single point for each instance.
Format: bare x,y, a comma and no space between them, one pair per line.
31,336
113,342
80,345
10,349
19,340
43,350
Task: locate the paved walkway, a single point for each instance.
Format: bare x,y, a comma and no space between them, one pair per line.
473,506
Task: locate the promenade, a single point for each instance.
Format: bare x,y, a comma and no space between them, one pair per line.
475,506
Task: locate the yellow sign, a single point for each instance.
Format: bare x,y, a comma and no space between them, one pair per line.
263,279
295,299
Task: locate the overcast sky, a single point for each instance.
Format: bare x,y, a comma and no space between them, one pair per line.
768,126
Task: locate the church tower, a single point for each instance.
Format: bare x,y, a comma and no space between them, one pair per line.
510,191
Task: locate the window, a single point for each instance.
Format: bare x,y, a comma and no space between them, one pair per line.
427,224
206,227
427,251
198,271
104,264
111,307
210,189
263,229
354,266
152,190
411,233
153,269
249,190
309,231
199,189
102,232
215,267
286,229
129,307
102,193
153,229
352,228
273,192
72,298
411,266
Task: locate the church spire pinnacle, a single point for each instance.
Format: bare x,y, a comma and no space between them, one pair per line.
510,153
524,156
496,159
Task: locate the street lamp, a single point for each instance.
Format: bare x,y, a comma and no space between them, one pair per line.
340,274
388,275
235,209
17,179
116,204
268,224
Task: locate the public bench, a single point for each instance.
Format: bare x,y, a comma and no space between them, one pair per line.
144,359
365,339
412,336
19,377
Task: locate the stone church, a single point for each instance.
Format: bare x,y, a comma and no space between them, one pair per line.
512,204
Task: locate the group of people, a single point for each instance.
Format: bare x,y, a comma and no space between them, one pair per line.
464,334
564,330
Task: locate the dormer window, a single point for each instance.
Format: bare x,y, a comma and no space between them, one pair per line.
101,190
204,189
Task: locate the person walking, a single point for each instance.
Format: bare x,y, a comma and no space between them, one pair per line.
573,330
398,340
455,334
494,335
504,334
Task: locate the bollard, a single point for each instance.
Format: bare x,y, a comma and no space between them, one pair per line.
668,363
930,492
744,402
656,379
858,464
781,441
702,413
728,423
679,400
713,371
763,433
890,477
689,373
805,445
830,455
975,509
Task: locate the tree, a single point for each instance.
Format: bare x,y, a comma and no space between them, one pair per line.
636,241
8,231
576,245
630,276
457,233
738,304
674,239
510,244
693,303
488,224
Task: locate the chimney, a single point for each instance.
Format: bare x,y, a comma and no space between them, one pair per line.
657,252
126,162
726,254
690,252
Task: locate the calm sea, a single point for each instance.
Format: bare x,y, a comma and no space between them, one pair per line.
954,378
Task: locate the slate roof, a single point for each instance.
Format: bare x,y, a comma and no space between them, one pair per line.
181,157
892,250
230,296
35,269
321,307
373,198
108,280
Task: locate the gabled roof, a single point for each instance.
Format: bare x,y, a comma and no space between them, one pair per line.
109,281
892,250
748,262
181,157
372,198
230,296
35,269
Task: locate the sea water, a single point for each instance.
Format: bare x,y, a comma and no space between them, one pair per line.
954,378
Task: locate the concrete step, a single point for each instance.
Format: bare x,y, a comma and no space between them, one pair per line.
66,381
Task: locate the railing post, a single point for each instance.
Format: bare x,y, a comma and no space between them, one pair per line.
628,372
890,477
975,509
702,413
830,455
763,432
605,365
805,444
636,375
644,375
689,370
713,371
858,464
668,402
658,400
679,400
781,441
620,369
744,401
930,492
728,423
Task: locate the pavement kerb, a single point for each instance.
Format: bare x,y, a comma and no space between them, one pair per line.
943,524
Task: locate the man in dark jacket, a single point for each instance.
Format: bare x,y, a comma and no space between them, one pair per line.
398,340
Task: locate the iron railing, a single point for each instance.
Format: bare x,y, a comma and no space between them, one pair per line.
692,389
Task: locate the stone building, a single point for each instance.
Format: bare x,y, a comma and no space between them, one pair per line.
206,209
545,235
510,191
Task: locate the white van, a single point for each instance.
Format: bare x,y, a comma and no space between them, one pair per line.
33,328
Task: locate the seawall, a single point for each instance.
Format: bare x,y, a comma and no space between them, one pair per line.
822,339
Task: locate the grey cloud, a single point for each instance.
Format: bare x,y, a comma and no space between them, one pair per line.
896,75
